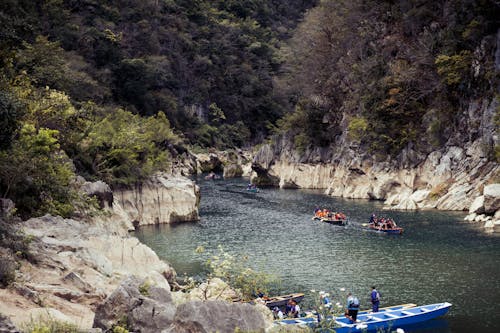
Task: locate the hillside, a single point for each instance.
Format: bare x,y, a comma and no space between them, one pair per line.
114,90
388,77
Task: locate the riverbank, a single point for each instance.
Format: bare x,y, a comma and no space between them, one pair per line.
80,264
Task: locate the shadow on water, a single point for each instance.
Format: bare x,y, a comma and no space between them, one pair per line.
438,258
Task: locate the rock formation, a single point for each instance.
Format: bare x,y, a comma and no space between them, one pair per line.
161,199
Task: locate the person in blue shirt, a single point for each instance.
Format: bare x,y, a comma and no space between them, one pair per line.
375,298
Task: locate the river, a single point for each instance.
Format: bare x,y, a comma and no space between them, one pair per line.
438,258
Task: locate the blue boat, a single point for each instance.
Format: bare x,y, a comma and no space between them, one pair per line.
390,318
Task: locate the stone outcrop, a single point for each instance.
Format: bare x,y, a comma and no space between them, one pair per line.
216,316
151,309
446,181
147,308
161,199
78,264
231,163
491,196
6,326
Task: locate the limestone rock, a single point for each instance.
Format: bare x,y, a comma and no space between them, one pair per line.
491,198
6,326
217,316
6,207
100,190
232,170
161,199
148,309
209,162
477,205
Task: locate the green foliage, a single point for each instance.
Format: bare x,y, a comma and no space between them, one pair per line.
454,69
119,329
123,148
357,128
49,325
36,174
144,288
351,68
234,270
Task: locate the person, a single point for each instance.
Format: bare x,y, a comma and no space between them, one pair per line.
277,313
295,310
325,299
373,218
289,306
375,298
352,307
316,210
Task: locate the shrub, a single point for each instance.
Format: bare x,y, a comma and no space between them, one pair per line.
357,128
50,325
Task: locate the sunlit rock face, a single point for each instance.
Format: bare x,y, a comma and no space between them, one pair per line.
161,199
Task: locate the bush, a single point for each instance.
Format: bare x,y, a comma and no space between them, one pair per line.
50,325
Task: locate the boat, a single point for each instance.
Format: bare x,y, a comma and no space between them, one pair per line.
386,229
281,301
385,225
330,217
392,318
253,190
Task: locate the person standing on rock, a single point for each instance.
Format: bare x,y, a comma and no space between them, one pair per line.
375,298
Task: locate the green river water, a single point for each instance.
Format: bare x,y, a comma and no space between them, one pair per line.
438,258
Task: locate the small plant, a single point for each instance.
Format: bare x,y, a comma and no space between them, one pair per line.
50,325
144,288
119,329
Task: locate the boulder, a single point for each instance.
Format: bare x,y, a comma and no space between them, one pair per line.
148,309
7,207
233,170
491,198
209,162
217,316
99,190
477,205
6,326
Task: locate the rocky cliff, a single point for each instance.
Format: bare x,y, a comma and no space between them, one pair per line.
164,198
450,178
93,273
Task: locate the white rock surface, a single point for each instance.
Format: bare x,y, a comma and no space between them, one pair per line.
477,205
162,199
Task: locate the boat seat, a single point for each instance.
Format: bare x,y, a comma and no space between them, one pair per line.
407,313
390,315
371,318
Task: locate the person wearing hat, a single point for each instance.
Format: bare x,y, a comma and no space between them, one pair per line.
277,313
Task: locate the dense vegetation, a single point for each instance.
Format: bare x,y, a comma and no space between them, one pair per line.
389,75
111,89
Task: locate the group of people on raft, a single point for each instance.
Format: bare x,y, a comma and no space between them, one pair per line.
327,214
382,222
292,309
